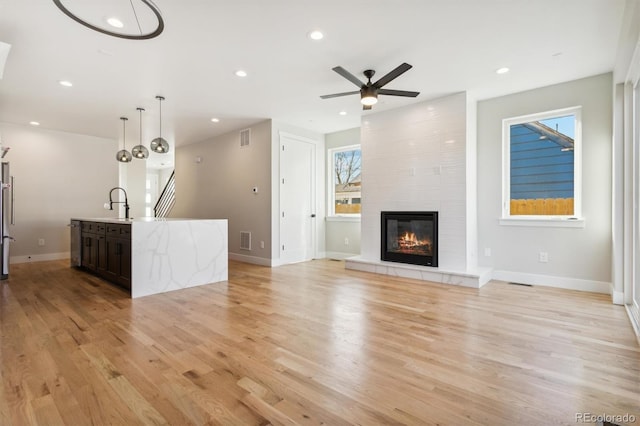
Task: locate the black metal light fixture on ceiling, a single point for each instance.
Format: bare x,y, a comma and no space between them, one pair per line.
160,145
141,23
140,151
123,155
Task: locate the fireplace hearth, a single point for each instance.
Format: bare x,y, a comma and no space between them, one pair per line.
410,237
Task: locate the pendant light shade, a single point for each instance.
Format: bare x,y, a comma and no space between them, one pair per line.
140,151
160,145
123,155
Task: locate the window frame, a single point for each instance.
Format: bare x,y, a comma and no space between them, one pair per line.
331,193
574,220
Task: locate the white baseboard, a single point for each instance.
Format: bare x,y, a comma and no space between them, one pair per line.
251,259
553,281
39,257
617,297
339,255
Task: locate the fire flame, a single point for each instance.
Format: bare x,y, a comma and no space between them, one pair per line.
409,239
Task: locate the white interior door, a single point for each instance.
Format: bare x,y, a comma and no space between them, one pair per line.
297,200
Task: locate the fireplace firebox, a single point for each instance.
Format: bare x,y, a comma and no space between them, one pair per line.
410,237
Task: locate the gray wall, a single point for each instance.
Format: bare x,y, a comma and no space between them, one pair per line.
220,186
337,229
57,176
578,258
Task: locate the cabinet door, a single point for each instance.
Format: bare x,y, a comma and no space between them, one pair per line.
112,255
101,255
87,260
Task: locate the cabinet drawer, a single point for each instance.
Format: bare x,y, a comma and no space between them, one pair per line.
94,227
120,231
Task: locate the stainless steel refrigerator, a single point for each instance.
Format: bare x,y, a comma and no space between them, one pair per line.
6,218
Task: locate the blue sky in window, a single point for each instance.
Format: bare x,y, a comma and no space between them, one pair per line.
565,125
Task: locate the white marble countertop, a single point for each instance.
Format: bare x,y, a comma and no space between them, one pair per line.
133,220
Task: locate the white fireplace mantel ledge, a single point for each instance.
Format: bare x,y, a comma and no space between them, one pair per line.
472,277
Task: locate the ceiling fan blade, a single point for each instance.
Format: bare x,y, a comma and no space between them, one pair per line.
366,107
400,69
398,93
335,95
346,74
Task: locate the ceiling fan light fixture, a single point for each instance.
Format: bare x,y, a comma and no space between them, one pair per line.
369,96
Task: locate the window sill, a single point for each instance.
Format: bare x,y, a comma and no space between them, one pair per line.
548,222
343,218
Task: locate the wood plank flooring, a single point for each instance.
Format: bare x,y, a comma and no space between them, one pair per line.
309,344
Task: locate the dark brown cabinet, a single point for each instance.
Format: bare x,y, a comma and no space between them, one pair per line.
106,251
93,251
118,248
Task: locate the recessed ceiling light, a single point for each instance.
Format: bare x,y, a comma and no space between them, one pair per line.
241,73
34,123
65,83
502,70
115,22
215,120
343,113
316,35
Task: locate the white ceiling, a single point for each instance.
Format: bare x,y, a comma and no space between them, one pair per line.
453,45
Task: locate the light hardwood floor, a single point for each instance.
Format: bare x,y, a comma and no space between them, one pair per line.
309,344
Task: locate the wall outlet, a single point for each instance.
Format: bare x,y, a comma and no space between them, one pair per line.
543,257
346,241
487,252
261,244
41,241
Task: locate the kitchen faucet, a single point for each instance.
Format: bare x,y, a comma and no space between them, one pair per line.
125,202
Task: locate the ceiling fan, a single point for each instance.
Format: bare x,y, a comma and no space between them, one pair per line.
369,91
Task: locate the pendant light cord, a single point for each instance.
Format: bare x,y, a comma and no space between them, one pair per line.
124,132
136,16
140,109
160,99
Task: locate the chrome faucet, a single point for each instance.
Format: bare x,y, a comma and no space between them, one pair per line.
125,202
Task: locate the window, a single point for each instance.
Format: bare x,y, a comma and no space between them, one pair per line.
542,169
345,183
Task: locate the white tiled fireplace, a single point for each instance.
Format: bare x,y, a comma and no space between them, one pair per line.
416,159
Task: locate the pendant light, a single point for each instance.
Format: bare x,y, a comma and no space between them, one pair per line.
123,155
160,145
140,151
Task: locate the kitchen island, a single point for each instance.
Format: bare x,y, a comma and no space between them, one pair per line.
152,255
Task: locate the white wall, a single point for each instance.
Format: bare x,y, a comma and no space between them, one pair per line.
219,186
58,175
578,258
414,158
337,229
133,178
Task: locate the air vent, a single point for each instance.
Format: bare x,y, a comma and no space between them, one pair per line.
245,240
245,138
